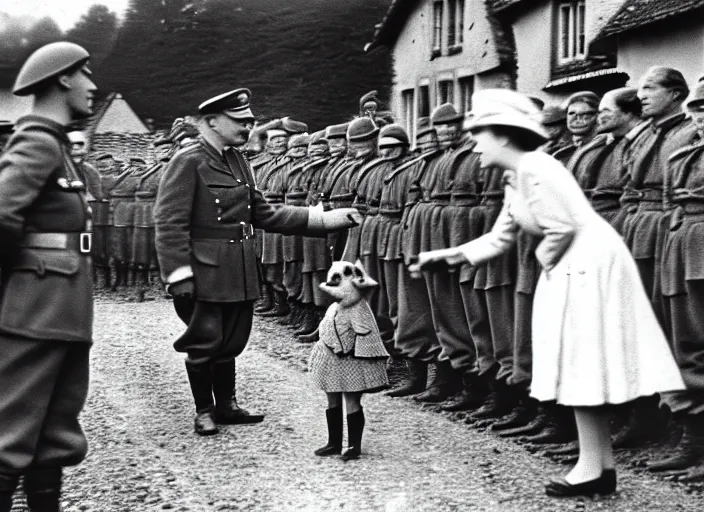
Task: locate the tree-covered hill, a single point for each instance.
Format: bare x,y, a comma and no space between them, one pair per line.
299,57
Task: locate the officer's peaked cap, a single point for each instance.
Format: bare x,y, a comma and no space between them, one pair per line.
293,127
446,114
47,62
336,131
361,129
234,104
393,135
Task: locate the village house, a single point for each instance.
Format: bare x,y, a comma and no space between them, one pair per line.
444,50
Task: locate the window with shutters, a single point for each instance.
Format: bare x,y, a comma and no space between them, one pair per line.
466,91
571,40
423,101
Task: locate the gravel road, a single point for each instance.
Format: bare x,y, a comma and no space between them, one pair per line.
144,455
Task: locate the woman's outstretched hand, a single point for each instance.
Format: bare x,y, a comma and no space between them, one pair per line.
441,259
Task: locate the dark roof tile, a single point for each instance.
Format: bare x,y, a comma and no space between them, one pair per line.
637,13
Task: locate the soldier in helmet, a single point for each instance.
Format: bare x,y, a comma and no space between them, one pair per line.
206,210
46,304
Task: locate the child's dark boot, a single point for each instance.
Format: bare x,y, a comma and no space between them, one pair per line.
334,446
355,427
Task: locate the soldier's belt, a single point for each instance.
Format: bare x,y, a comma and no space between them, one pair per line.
393,214
241,231
341,197
81,242
606,193
129,197
646,195
144,198
604,204
693,208
371,211
495,194
464,199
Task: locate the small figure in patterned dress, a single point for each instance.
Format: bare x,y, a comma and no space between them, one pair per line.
349,358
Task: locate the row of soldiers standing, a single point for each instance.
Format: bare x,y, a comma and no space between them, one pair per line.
634,152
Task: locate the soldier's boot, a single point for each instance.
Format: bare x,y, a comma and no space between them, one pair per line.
560,429
523,414
689,451
474,392
415,383
43,489
334,446
300,319
355,428
500,402
267,300
537,423
444,385
292,312
201,381
8,484
107,277
643,425
309,338
312,320
280,306
227,411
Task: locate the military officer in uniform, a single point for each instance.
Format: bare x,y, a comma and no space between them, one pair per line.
205,214
46,304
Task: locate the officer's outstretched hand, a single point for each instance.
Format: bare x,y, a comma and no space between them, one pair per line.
438,260
182,289
341,218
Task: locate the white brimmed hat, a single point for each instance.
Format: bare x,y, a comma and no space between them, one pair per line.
503,107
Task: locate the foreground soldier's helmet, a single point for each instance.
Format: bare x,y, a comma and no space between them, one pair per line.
47,62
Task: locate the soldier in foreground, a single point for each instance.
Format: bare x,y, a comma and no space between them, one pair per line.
205,214
45,338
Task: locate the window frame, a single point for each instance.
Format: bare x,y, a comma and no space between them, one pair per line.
408,98
448,87
571,38
438,18
466,88
423,93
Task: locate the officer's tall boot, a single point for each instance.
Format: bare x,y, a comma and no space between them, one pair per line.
334,446
355,428
43,489
475,390
267,301
201,380
227,411
689,451
280,305
417,379
8,484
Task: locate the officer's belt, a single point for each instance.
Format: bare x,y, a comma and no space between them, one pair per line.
81,242
391,213
297,195
241,231
274,198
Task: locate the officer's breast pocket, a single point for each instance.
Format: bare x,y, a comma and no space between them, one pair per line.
229,195
206,258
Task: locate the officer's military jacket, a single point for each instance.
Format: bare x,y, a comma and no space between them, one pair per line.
205,210
122,196
272,180
294,179
646,166
46,294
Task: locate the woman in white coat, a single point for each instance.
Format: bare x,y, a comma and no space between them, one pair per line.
596,340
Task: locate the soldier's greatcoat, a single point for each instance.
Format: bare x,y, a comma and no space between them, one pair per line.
46,306
205,213
683,274
143,235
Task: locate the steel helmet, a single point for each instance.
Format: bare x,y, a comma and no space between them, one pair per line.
47,62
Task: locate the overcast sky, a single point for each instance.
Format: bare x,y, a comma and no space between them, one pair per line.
65,12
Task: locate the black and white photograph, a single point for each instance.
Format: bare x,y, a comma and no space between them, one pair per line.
352,255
